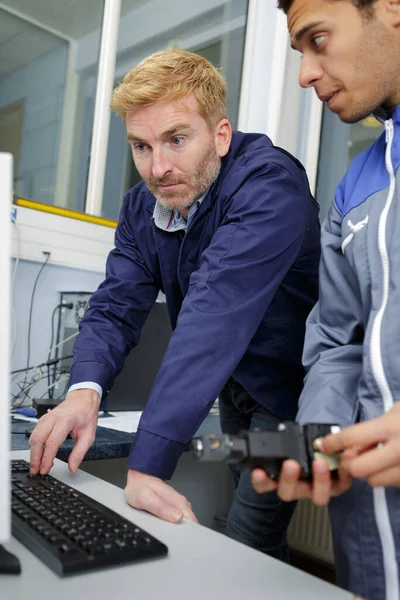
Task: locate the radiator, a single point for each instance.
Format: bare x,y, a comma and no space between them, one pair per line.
310,532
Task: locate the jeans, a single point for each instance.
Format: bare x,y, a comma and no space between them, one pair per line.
257,520
358,547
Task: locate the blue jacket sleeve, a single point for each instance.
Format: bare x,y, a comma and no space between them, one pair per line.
333,348
118,309
252,250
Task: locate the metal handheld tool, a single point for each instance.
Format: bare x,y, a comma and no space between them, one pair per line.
268,448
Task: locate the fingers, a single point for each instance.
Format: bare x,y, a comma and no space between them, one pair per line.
45,440
288,480
350,453
36,443
319,491
55,438
324,487
172,497
82,445
322,483
375,461
363,434
76,415
288,488
261,482
152,494
189,514
145,498
388,477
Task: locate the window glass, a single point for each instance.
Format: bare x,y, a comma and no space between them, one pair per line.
44,85
340,143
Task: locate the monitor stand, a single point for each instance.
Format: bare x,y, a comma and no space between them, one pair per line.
9,563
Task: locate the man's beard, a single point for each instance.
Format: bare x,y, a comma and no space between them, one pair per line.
195,185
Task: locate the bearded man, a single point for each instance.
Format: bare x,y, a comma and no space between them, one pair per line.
225,225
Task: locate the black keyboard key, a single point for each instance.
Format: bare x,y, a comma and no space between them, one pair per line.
67,548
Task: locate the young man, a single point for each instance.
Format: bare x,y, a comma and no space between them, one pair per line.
225,225
351,56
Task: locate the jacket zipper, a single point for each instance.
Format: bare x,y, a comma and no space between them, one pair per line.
376,350
381,508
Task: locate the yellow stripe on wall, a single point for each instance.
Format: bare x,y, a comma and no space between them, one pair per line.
65,212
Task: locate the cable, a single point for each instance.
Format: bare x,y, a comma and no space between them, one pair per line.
53,385
47,254
45,391
13,282
53,361
32,369
31,305
68,305
25,390
54,347
58,307
64,391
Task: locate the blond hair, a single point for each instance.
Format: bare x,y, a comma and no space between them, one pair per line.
172,75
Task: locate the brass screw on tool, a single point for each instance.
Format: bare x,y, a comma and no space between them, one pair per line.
317,444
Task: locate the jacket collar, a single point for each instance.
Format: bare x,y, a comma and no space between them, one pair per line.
383,115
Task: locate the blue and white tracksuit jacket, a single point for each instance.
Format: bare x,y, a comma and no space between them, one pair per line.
352,352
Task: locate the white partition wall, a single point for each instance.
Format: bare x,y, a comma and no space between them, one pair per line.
272,101
263,69
6,162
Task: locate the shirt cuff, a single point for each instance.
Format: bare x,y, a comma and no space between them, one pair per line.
87,385
154,455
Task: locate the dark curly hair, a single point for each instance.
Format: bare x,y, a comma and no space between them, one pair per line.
285,5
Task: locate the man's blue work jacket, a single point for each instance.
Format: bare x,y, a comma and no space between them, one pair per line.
239,286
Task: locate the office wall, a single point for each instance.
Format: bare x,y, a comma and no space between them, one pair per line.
40,85
52,281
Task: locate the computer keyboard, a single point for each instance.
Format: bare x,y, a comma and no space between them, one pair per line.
70,532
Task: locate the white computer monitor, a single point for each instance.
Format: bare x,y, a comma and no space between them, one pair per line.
6,179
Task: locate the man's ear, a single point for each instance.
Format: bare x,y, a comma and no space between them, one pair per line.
223,137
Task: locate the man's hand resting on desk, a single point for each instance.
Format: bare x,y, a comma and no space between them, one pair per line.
152,494
76,416
289,487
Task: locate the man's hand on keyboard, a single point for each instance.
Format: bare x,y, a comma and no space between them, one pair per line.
76,416
152,494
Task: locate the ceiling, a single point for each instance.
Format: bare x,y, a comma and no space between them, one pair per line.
21,41
72,18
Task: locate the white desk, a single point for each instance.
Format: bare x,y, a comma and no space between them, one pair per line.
201,564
